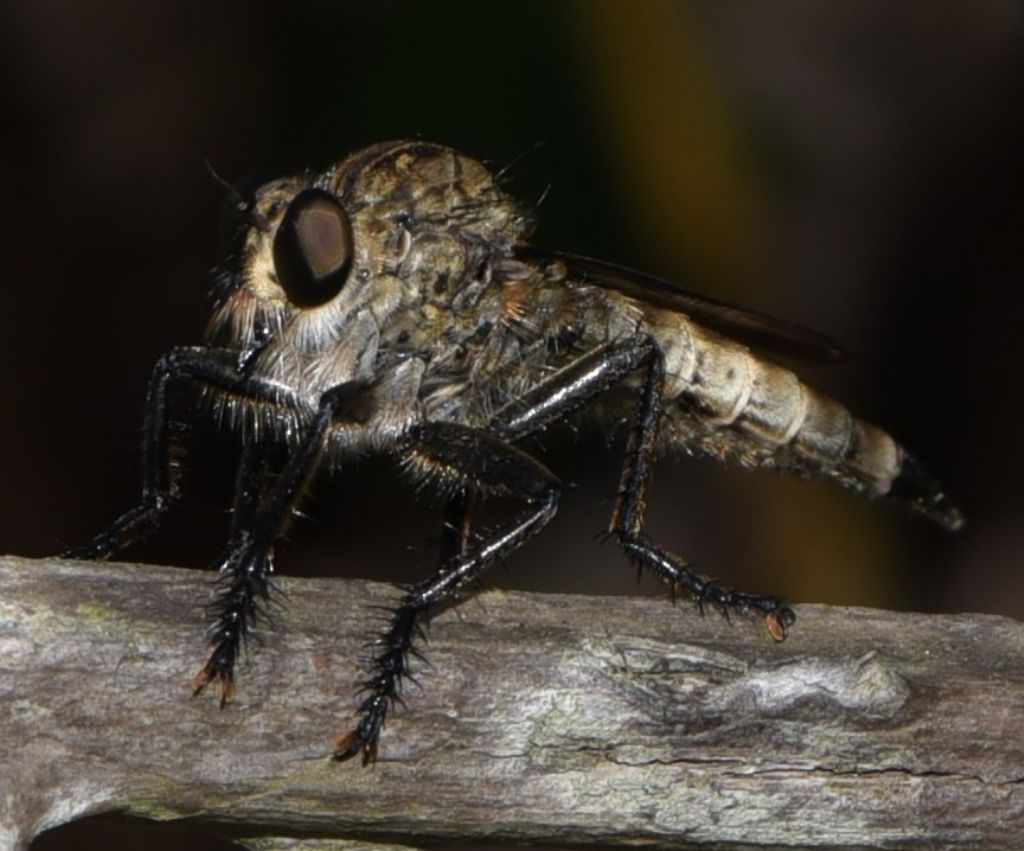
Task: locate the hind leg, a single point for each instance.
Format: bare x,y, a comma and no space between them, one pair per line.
573,387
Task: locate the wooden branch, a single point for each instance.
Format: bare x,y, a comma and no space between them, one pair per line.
544,719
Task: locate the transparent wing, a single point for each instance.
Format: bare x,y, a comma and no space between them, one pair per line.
746,326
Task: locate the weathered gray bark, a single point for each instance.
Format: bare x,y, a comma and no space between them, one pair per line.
544,719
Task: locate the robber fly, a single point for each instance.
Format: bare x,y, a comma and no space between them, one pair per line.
393,304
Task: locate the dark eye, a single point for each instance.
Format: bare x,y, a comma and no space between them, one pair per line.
313,248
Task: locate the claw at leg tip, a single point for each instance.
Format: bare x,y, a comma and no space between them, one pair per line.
226,682
779,621
348,745
200,681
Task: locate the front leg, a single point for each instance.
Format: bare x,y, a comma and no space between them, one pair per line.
251,483
247,567
456,457
214,367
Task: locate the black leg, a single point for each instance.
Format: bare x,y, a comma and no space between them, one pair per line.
628,517
209,366
456,456
244,581
251,484
574,386
246,568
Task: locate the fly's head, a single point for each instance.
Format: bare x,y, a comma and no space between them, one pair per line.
343,272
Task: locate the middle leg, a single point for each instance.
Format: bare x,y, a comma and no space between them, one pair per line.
464,460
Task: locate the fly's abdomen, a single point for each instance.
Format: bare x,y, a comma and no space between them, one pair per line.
725,401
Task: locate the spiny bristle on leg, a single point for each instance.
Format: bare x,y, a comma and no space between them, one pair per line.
705,592
389,669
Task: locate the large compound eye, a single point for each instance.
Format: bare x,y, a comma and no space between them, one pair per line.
313,248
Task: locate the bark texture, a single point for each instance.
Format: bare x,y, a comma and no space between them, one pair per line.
542,719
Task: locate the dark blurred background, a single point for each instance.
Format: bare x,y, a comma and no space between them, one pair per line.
855,167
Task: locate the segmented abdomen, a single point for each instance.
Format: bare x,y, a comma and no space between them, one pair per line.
724,401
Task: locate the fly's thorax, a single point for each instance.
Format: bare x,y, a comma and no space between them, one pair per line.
428,186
